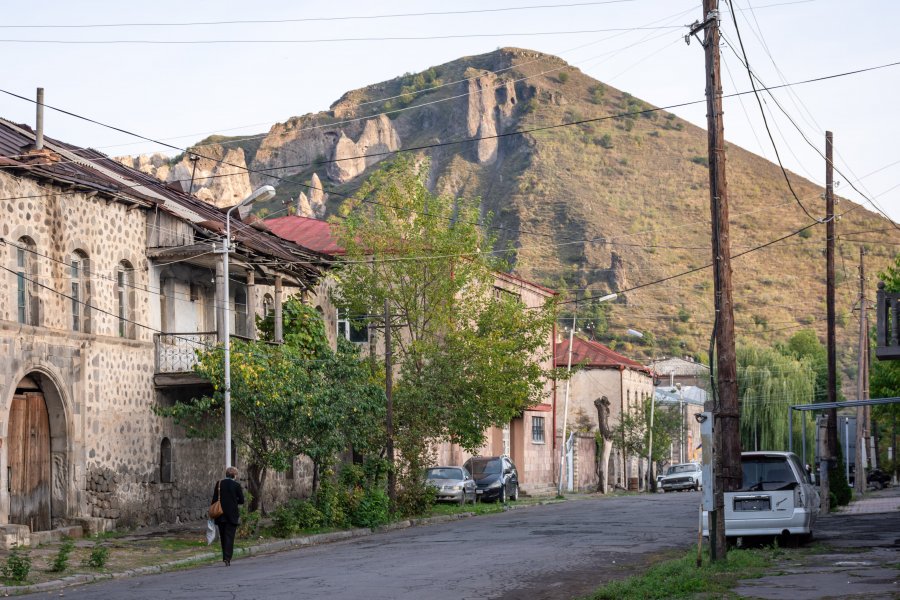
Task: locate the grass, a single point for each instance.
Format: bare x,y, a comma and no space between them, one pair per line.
680,578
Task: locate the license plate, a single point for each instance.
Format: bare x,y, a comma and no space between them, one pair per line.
479,491
753,504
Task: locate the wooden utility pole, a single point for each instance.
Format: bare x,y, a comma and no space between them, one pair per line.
389,420
861,379
831,431
726,410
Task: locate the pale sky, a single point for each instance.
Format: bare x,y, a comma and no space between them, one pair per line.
183,92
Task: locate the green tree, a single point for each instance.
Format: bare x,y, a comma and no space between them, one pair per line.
884,382
633,430
770,381
288,399
466,359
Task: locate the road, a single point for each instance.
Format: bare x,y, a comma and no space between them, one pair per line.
543,552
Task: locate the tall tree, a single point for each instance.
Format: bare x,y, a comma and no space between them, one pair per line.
467,358
884,382
770,381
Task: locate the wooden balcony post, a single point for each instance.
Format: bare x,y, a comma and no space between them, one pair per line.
251,304
279,317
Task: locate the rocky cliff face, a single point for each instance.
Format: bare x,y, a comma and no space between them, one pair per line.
617,201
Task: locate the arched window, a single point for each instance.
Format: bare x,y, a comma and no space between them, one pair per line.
166,474
268,306
80,292
26,275
125,299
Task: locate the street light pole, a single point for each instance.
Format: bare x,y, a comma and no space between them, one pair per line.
262,193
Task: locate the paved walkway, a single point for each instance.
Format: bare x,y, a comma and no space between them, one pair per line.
861,562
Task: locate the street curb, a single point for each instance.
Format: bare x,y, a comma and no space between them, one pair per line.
268,547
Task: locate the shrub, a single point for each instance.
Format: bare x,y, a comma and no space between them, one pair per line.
806,234
98,557
597,93
61,560
700,160
374,509
331,503
414,498
562,77
17,567
296,516
604,141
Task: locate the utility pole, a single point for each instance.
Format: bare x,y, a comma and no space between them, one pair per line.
862,373
726,408
388,392
831,429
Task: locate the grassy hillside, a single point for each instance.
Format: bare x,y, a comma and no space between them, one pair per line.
570,198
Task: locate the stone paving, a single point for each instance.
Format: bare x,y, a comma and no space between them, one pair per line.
875,504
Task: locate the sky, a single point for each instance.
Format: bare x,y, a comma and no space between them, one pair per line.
247,75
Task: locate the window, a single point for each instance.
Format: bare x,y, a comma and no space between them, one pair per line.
537,430
26,275
79,272
165,462
125,298
240,311
502,294
268,306
352,328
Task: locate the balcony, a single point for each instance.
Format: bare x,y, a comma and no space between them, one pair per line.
176,355
887,335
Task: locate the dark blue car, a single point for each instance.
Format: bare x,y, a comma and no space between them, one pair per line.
496,478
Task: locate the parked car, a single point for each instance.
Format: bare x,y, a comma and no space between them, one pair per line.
496,477
776,498
878,479
453,484
686,476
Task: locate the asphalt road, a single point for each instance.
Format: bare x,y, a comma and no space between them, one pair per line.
544,552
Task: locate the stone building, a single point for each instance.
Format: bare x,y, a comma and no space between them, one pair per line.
597,372
110,281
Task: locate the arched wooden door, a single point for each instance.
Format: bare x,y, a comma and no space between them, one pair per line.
28,470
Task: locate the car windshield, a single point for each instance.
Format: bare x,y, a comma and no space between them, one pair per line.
682,469
481,468
444,473
766,473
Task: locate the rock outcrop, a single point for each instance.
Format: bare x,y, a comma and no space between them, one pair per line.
220,177
317,196
349,158
490,105
303,207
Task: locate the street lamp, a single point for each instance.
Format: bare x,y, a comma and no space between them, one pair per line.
261,193
563,456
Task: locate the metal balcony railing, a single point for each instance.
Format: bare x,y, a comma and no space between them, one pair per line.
177,352
887,334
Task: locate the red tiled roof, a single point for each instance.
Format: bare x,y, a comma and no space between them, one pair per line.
309,233
594,354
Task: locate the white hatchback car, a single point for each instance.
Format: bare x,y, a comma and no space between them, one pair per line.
776,498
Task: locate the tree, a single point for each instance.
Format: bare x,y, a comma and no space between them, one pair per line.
465,359
770,381
634,430
286,400
884,381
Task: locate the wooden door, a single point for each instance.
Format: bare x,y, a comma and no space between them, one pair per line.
28,471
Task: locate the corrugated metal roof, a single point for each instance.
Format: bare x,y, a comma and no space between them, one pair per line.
89,170
310,233
594,354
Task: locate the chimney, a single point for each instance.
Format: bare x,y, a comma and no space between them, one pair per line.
39,121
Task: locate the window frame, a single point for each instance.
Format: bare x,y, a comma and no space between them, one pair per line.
538,426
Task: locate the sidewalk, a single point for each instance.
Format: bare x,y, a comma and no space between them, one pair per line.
861,559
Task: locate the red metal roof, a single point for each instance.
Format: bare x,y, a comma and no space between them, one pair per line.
594,354
309,233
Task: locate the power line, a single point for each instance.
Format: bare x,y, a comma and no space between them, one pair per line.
317,19
451,36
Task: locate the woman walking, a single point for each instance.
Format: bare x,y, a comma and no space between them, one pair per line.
229,493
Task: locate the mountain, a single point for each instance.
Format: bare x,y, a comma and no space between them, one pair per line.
589,208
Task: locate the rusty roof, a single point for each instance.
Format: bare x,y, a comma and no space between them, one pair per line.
88,170
311,233
588,353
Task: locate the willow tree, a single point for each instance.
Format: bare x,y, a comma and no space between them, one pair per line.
769,382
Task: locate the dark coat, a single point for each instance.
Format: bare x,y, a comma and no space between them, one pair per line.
232,496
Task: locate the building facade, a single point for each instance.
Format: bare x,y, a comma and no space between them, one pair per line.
110,282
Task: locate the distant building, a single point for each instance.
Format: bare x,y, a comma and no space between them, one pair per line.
689,399
686,371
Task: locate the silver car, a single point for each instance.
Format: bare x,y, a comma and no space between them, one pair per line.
686,476
453,484
776,498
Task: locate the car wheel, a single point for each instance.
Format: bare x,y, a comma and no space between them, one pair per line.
462,500
502,498
515,495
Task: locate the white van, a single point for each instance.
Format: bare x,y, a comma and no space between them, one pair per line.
776,498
